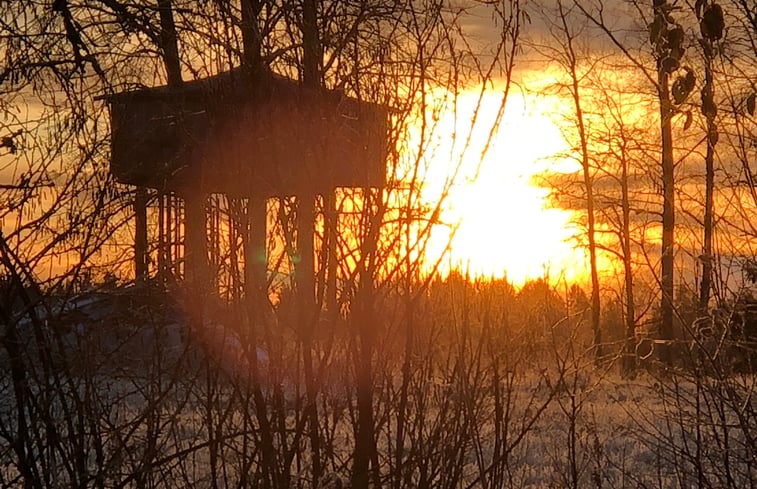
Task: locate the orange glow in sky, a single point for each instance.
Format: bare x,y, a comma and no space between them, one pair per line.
504,223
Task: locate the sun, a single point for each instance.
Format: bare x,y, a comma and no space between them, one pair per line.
499,221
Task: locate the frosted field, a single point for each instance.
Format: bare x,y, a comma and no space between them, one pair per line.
140,407
583,431
642,433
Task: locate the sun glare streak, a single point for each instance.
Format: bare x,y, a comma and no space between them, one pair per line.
502,222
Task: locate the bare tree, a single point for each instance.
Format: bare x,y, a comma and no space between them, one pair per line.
563,48
710,16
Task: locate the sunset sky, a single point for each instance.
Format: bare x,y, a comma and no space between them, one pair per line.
502,221
505,221
501,217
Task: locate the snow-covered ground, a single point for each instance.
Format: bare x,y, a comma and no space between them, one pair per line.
581,431
158,407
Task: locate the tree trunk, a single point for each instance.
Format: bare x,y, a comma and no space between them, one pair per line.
366,453
630,313
668,214
169,43
709,110
305,270
583,136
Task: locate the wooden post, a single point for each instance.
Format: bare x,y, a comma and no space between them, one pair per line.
168,241
141,253
304,271
161,273
331,233
195,236
179,257
258,231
